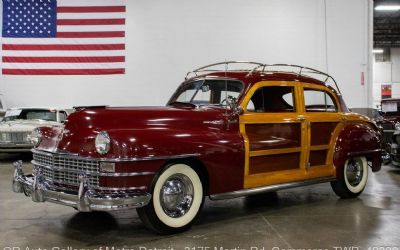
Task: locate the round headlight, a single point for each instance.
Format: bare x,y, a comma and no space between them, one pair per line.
397,126
35,137
102,142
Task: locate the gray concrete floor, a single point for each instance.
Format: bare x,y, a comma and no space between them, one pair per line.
308,217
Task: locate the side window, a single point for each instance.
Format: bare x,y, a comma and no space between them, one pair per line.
63,116
272,99
319,101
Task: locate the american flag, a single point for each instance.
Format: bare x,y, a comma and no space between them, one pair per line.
64,37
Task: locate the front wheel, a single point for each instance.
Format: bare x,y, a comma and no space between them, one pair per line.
177,197
354,180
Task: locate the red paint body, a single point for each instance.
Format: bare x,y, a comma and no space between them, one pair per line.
138,132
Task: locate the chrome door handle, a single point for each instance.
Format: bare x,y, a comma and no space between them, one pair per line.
301,119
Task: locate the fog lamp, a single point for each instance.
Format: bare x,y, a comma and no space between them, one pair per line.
107,167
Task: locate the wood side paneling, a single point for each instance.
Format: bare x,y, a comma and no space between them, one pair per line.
273,135
271,163
321,132
318,157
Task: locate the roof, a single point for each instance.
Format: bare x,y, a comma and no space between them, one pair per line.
254,72
44,108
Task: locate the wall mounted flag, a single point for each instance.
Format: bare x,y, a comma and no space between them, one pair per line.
64,37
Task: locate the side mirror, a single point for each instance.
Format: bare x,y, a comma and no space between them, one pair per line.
238,110
231,102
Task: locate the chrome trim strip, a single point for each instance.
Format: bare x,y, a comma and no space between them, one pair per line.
15,145
95,187
91,173
121,189
271,188
150,158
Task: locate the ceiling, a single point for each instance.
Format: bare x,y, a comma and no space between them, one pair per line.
386,26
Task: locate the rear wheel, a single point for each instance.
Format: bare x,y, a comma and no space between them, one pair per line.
354,178
177,197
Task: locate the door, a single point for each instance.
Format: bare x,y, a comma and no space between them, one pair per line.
275,134
323,118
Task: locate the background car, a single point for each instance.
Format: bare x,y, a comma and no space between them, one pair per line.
388,120
18,123
3,107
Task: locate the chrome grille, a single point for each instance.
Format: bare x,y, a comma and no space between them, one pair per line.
14,137
64,169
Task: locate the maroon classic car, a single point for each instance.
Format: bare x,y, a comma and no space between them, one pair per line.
224,133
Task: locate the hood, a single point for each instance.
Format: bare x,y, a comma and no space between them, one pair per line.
129,126
24,125
143,118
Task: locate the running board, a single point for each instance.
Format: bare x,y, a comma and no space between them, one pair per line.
271,188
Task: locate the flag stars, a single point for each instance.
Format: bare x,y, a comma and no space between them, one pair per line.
29,18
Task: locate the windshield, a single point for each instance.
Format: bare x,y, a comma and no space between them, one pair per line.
208,92
30,114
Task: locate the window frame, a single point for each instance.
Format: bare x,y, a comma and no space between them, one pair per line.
299,96
175,95
325,90
262,84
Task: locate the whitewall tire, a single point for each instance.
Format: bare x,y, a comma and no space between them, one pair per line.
354,178
177,198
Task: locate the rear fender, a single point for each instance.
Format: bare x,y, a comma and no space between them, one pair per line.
358,140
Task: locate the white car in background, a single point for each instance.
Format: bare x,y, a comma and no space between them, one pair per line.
18,123
3,107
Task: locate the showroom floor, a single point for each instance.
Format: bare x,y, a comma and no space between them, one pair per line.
309,217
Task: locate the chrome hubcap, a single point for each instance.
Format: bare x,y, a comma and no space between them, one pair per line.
354,172
176,196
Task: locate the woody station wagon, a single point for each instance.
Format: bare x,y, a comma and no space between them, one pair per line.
224,133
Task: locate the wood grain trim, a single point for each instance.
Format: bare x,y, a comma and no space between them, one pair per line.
326,89
321,132
272,163
265,179
275,151
319,147
273,136
318,157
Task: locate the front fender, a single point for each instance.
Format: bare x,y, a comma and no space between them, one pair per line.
357,140
220,152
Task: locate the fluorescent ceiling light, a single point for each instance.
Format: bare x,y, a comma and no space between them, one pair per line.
388,7
377,51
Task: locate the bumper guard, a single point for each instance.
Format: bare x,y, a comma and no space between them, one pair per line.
85,200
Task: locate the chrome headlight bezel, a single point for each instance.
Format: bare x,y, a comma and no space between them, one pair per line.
35,137
397,126
102,142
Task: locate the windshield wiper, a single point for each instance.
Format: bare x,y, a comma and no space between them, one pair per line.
182,103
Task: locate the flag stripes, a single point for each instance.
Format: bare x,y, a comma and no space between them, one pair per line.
90,39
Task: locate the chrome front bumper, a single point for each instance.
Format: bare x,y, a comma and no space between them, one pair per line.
85,200
15,147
